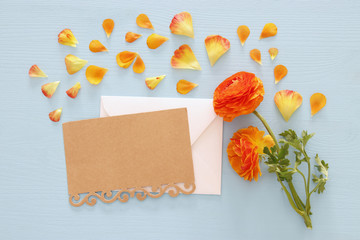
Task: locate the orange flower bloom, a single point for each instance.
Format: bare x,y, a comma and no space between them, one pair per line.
238,95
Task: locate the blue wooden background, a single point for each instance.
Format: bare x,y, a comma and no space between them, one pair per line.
318,42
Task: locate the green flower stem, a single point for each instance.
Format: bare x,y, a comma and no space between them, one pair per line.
266,125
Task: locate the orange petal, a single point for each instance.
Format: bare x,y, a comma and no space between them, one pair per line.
216,46
55,115
96,46
35,71
273,53
131,37
181,24
152,82
108,25
49,89
269,30
183,86
280,72
139,66
124,59
243,33
255,54
317,102
74,64
66,37
184,58
154,41
143,21
72,92
95,74
287,102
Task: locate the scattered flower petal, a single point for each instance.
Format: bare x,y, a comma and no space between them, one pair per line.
317,102
72,92
124,59
131,37
74,64
216,46
95,74
269,30
181,24
143,21
139,66
255,54
108,25
280,72
55,115
243,32
66,37
97,46
183,86
273,53
49,89
287,102
154,41
152,82
35,71
184,58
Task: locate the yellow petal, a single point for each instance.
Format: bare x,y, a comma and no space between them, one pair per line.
273,53
154,41
74,64
55,115
243,33
152,82
96,46
184,58
183,86
35,71
108,25
280,72
143,21
287,102
72,92
131,37
95,74
124,59
181,24
216,46
317,102
49,89
255,54
139,66
66,37
269,30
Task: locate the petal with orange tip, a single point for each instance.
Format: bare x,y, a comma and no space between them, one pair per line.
35,71
143,21
182,24
66,37
152,82
287,102
95,74
72,92
139,65
49,89
317,102
280,71
55,115
154,41
216,46
124,59
269,30
184,58
97,46
131,37
74,64
243,32
108,26
255,55
184,87
273,53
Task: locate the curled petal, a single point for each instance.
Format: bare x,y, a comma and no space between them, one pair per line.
131,37
183,86
95,74
181,24
97,46
49,89
243,32
273,53
255,55
287,102
154,41
143,21
269,30
216,46
280,72
152,82
66,37
317,102
72,92
55,115
108,25
124,59
35,71
74,64
184,58
139,66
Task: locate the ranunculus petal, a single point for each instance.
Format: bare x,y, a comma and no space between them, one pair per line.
152,82
97,46
95,74
255,55
184,58
143,21
72,92
49,89
269,30
139,65
216,46
280,71
124,59
66,37
74,64
55,115
317,102
182,24
243,32
108,25
287,102
273,53
154,41
35,71
184,87
131,37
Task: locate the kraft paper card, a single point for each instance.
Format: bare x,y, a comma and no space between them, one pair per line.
114,158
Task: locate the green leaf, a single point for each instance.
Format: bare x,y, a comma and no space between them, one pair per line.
306,137
290,137
322,167
321,181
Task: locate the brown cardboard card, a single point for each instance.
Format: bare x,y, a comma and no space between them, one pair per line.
114,158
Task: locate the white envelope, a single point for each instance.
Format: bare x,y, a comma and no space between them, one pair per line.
206,130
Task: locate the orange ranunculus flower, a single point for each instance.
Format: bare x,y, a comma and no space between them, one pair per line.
244,149
238,95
